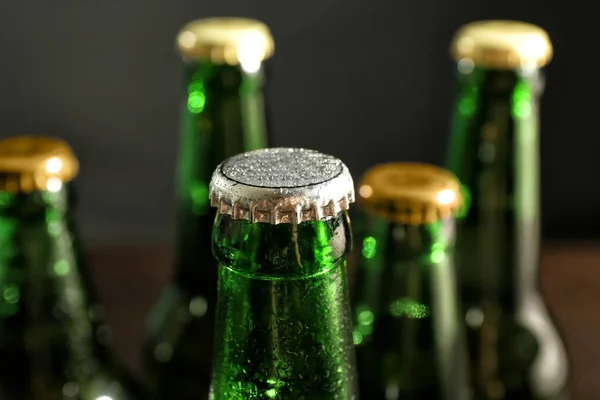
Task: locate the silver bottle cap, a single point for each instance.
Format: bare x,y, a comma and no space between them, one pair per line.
281,185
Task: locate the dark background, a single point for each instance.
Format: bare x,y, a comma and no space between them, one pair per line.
367,81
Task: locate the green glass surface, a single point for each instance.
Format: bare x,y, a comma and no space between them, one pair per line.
222,115
516,350
283,328
53,341
407,329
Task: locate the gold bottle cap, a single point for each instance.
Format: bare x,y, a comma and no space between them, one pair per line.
410,193
499,44
223,40
32,163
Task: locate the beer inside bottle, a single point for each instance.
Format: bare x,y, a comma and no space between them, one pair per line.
516,350
408,332
281,235
53,342
222,115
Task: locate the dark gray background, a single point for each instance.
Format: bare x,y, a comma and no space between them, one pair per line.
367,81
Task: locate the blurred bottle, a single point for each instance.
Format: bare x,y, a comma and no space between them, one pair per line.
407,328
516,351
53,341
281,235
223,114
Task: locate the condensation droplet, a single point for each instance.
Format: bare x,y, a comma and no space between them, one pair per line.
198,306
70,389
474,317
163,352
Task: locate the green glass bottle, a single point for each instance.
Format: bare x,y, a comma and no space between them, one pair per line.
408,332
281,235
222,115
54,344
516,351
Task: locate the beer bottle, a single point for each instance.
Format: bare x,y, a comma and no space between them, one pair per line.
515,349
281,235
222,116
53,341
407,328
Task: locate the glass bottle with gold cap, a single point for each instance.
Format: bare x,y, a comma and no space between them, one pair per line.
407,328
54,344
223,114
281,236
516,351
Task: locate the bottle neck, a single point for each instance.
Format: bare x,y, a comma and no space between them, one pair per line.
283,251
283,325
396,262
405,304
494,151
223,115
46,297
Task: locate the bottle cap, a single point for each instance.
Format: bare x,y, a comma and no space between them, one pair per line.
281,185
222,40
410,193
31,163
505,45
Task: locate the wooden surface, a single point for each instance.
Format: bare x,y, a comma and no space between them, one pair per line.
130,278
